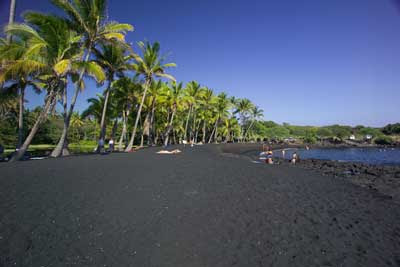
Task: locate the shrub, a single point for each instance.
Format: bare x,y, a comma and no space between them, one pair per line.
383,140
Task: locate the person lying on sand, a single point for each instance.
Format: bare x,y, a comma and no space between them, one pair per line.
175,151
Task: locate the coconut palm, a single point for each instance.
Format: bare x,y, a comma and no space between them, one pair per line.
53,52
243,107
222,105
192,94
88,18
126,94
95,108
112,58
206,104
173,97
17,67
256,113
154,97
150,65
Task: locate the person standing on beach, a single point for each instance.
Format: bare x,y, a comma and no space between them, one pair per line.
294,158
111,145
269,159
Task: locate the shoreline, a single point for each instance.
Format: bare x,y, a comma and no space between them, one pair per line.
384,179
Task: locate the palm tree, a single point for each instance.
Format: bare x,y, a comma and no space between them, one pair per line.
206,104
192,93
17,72
51,53
173,96
88,18
113,60
17,82
154,93
222,105
77,123
243,107
150,65
126,94
256,113
95,108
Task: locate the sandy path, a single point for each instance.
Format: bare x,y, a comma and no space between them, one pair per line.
198,208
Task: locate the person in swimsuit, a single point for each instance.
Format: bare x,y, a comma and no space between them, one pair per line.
294,158
269,159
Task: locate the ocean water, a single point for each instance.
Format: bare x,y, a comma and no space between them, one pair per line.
381,156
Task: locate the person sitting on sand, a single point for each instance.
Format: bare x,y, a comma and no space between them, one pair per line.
175,151
269,159
294,158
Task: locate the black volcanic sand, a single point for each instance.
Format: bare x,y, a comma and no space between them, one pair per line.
384,180
197,208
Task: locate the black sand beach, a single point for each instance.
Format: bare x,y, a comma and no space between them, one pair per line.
198,208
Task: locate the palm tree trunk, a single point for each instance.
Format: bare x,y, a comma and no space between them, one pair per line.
197,129
114,128
204,131
213,131
103,116
187,122
216,131
146,87
123,133
169,127
42,117
194,124
141,140
60,145
21,117
248,129
152,122
11,18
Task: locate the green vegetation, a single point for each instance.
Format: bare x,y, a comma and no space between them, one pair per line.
141,104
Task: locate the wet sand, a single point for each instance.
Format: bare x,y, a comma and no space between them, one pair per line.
207,206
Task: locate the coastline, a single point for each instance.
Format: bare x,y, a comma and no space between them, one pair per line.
384,179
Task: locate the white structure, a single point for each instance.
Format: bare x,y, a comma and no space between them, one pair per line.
352,137
368,137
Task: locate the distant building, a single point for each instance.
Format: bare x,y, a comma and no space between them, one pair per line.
352,137
368,137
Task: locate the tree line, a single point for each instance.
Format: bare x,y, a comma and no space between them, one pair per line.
52,53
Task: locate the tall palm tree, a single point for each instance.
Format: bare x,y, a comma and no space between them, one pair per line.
222,105
150,65
53,51
88,18
243,107
126,93
192,93
17,82
256,113
173,95
206,104
112,58
154,97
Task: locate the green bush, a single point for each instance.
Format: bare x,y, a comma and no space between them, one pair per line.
383,140
310,139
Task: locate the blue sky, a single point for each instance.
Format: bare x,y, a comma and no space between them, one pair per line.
307,62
